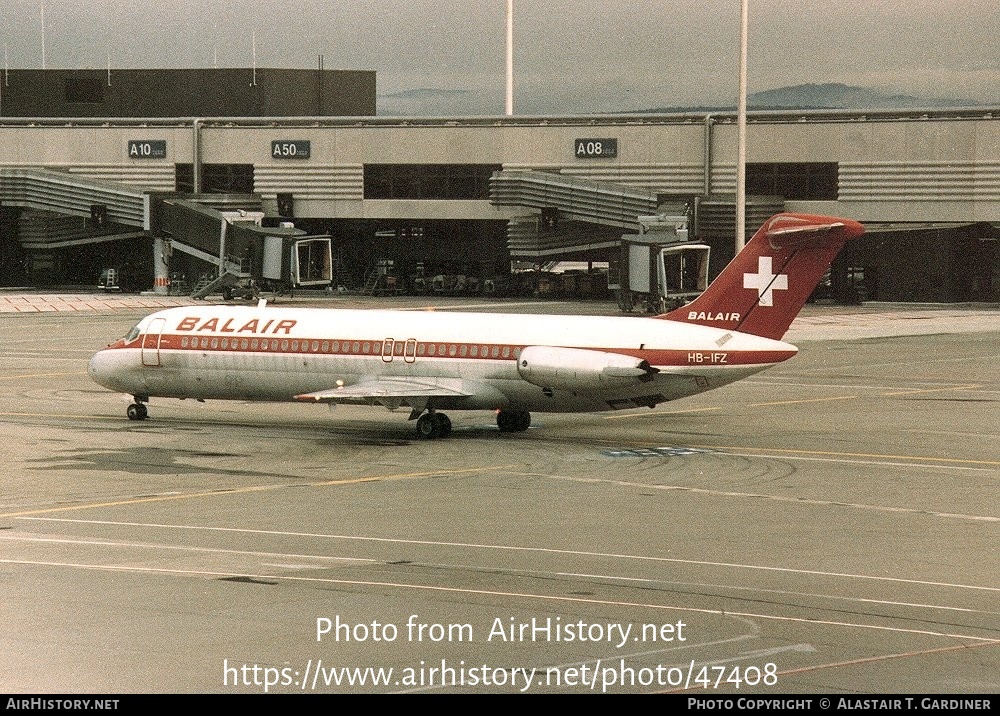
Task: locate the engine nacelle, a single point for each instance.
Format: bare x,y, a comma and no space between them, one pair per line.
581,370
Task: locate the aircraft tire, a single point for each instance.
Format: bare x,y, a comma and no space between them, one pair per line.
428,427
137,411
513,421
443,425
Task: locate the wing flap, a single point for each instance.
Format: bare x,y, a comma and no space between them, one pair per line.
385,389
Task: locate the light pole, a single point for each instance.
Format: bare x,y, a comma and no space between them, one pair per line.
741,124
509,102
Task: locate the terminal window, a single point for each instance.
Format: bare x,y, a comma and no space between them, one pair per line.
85,90
428,181
816,181
216,178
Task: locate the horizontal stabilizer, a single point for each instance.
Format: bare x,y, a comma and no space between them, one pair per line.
803,237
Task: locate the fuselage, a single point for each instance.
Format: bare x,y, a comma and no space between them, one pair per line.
275,354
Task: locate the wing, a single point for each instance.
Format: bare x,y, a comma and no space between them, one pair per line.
390,392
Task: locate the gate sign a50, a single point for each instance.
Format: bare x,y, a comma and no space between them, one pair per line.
290,148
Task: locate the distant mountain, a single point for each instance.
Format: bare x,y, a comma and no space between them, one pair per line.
428,101
832,95
424,93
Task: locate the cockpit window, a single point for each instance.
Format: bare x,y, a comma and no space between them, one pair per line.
132,335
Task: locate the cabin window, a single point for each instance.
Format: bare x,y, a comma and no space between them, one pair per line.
284,345
496,351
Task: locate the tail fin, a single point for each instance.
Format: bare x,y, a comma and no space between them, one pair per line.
763,289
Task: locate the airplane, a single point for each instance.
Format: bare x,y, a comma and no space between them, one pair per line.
510,364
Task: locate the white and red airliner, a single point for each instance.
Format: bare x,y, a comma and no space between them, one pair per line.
510,364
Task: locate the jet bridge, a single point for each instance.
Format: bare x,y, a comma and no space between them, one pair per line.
249,256
659,268
74,195
53,202
577,216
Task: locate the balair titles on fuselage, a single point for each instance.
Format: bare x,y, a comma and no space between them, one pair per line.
195,324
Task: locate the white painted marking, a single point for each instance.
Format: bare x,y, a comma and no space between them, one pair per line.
765,281
514,548
497,593
182,548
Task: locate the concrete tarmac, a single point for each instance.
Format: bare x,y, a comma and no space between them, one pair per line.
829,526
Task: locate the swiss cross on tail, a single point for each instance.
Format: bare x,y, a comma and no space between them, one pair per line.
763,289
765,281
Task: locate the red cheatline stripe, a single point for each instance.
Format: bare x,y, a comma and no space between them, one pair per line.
422,350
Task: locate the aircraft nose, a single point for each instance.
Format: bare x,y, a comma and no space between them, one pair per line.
102,369
97,369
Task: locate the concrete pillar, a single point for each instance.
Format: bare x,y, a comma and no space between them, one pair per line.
161,266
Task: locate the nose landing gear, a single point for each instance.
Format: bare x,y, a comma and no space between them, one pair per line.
137,410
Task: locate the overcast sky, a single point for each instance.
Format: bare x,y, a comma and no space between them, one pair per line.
570,55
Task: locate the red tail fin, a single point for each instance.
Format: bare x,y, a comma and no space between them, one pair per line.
764,288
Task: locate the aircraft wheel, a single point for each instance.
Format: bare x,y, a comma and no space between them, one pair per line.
443,424
427,426
513,421
137,411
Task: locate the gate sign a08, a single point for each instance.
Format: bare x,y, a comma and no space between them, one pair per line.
605,148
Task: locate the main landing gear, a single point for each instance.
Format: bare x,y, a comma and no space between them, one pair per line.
137,410
433,425
513,421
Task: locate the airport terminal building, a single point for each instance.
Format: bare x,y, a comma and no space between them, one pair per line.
110,171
